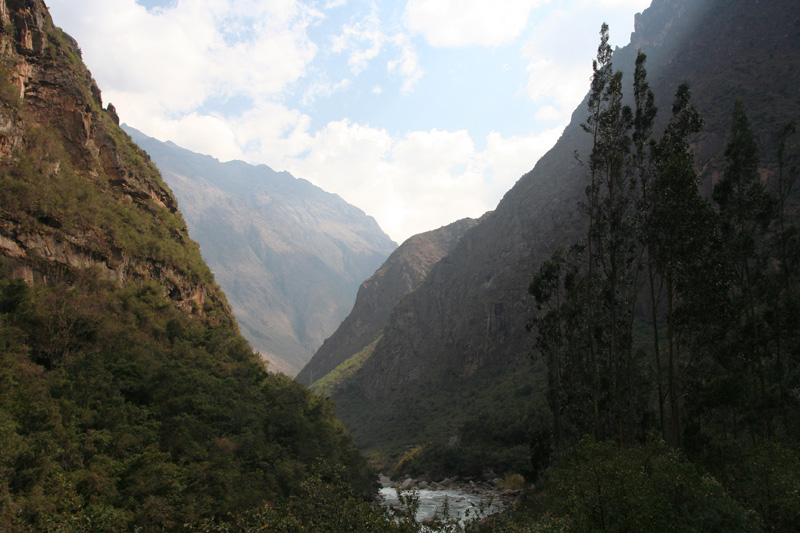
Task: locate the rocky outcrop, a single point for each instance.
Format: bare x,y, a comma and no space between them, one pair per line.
402,272
288,255
56,141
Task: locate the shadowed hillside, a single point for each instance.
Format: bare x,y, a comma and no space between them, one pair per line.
460,341
402,272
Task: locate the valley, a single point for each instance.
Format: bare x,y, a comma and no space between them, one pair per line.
615,346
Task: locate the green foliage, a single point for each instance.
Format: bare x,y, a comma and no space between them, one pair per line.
722,361
116,408
345,370
9,94
440,460
323,502
683,253
765,477
489,416
603,487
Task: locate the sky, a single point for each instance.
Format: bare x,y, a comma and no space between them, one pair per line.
419,112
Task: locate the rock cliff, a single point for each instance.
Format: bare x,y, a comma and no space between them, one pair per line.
53,126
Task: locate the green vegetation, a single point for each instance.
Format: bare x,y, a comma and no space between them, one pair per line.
703,404
347,369
602,487
122,406
475,432
117,410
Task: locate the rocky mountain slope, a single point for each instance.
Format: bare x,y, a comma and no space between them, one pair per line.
402,272
124,221
459,341
288,255
128,399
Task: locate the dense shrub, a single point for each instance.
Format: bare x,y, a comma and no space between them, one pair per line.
117,411
604,487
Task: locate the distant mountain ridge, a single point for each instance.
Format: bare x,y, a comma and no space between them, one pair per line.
459,341
288,255
402,272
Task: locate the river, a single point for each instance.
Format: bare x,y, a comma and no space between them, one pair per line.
463,505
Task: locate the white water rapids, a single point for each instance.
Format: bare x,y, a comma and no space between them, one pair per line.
462,505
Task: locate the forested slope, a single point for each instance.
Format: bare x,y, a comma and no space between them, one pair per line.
128,399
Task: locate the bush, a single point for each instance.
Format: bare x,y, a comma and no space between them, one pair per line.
604,487
766,477
513,482
650,488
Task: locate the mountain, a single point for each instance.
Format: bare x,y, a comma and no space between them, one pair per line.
128,398
402,272
454,360
288,255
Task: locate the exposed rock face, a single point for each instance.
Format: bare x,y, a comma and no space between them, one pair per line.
288,255
402,272
52,124
468,318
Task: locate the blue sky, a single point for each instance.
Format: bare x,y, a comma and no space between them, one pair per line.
420,112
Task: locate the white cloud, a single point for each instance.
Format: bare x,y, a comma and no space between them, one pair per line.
363,40
164,68
548,112
510,158
454,23
271,133
415,183
203,134
176,58
561,83
561,47
422,180
324,89
407,65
